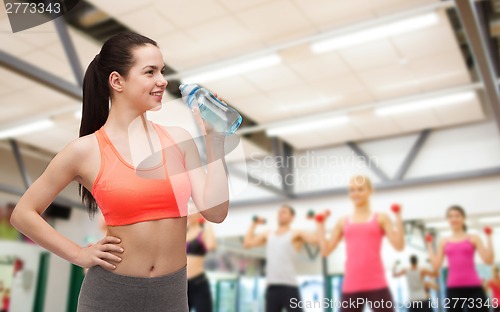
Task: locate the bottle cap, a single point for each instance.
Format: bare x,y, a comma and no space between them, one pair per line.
186,91
187,88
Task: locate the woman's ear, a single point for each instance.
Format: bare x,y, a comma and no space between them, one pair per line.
116,81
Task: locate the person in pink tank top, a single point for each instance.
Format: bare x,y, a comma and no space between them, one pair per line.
464,290
364,278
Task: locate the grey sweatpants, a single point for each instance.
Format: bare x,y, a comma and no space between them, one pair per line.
104,291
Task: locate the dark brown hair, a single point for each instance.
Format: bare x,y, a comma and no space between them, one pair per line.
413,259
116,55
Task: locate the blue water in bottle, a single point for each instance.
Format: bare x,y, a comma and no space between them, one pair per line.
223,118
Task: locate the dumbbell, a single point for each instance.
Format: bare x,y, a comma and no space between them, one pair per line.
320,217
18,265
258,220
428,238
395,208
487,230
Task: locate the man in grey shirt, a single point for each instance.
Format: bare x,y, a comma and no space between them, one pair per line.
415,278
282,247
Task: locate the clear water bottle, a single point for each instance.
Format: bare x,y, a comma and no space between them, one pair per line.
223,118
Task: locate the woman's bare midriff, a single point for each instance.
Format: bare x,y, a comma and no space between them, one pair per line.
151,248
195,265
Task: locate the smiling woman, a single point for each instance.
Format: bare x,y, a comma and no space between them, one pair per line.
141,264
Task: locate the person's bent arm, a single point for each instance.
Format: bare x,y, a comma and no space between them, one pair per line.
308,237
436,258
210,190
397,273
251,240
209,237
430,273
26,217
328,246
396,236
486,253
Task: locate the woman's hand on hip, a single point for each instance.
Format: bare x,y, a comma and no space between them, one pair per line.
100,254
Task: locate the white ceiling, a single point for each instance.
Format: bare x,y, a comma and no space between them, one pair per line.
200,32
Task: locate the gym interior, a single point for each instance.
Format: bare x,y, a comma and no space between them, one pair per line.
402,92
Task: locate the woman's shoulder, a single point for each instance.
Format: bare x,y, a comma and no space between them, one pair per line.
75,155
85,143
444,240
474,238
80,148
381,215
179,134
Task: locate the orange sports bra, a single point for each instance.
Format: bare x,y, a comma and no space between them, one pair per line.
125,195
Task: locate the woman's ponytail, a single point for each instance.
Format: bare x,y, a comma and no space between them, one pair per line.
95,111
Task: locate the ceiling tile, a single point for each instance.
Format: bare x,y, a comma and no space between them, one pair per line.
439,71
342,21
370,125
250,149
181,52
296,53
87,48
118,7
146,21
339,134
432,40
460,112
261,108
238,50
15,107
230,33
324,11
341,86
272,78
54,139
370,55
189,13
274,19
300,100
231,88
44,60
353,99
15,81
41,36
235,6
14,45
303,140
46,97
3,12
4,22
417,120
387,7
390,82
319,67
4,90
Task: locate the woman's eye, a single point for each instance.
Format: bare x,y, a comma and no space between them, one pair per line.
149,72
